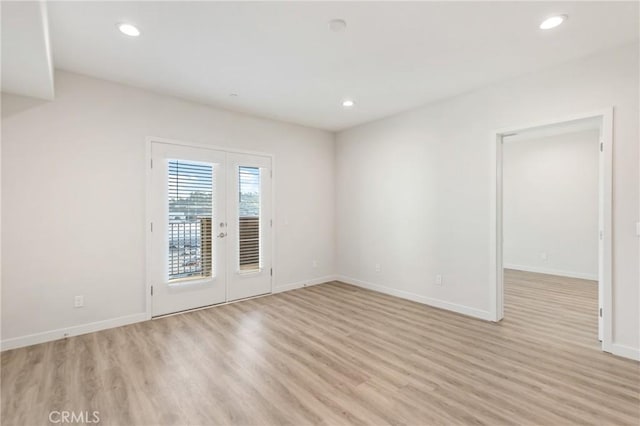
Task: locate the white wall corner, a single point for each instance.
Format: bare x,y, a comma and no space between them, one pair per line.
46,35
304,283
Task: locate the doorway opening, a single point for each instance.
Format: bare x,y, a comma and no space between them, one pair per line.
552,218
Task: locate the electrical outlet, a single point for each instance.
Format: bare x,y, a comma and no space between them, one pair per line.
78,301
544,256
314,263
377,267
438,280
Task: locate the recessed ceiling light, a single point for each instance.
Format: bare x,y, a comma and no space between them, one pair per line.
337,25
553,22
129,30
348,103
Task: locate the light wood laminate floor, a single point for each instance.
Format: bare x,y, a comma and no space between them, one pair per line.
335,354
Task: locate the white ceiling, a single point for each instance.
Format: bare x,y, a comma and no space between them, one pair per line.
284,63
26,56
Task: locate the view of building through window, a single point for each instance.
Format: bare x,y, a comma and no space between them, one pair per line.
190,197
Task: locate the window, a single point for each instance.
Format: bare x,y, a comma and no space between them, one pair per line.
249,218
190,196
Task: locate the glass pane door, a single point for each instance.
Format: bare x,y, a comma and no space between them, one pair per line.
249,207
188,250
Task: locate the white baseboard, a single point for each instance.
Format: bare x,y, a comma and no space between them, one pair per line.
305,283
454,307
61,333
542,270
625,351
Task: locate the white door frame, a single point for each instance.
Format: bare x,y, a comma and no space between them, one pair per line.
605,208
148,236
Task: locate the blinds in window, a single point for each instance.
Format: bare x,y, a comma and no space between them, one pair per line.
190,197
249,218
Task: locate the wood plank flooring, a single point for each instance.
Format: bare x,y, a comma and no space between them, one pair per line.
335,354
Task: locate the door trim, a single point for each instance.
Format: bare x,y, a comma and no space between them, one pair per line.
149,140
605,211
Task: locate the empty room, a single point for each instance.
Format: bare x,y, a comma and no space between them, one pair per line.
332,213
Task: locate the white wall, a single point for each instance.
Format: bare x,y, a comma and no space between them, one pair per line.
550,204
73,177
413,190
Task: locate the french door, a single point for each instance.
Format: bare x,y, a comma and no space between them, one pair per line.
210,236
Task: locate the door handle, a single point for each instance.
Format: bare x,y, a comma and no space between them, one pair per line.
222,235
